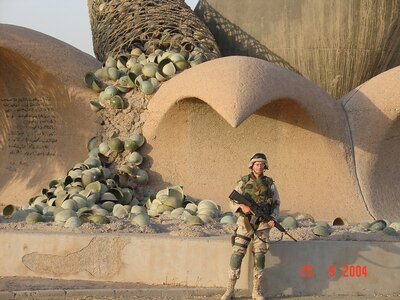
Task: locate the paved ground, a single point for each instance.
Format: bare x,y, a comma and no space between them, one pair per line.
15,288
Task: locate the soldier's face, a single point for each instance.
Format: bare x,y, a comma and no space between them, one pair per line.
258,168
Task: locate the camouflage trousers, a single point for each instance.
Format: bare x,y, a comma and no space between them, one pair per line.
241,239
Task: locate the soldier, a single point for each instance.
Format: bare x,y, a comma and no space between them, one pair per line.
263,191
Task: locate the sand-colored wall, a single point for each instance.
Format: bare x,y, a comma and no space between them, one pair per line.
45,117
203,126
338,44
373,110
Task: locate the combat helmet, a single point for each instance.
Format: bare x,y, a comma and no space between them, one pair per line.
261,157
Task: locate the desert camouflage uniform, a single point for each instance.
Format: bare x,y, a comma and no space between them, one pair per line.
263,191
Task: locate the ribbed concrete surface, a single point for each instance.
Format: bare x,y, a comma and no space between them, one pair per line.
338,44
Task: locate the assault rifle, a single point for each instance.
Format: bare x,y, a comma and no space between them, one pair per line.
259,212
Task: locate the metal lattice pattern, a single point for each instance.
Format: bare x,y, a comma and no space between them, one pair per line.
118,26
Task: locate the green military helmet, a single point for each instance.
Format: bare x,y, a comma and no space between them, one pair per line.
89,176
80,200
182,65
108,205
64,215
141,176
34,217
73,222
110,62
61,197
194,220
104,148
70,204
228,219
131,62
96,186
258,157
107,196
49,210
170,201
20,215
93,143
149,69
167,68
128,195
106,173
54,183
209,208
147,87
111,91
172,191
113,73
177,212
160,77
91,81
152,57
95,106
121,62
119,211
98,219
117,192
135,158
211,212
125,81
377,225
289,223
116,144
110,183
141,220
92,162
100,211
102,73
390,231
155,82
321,231
138,138
136,69
126,169
116,102
192,208
175,57
139,79
9,210
130,145
137,209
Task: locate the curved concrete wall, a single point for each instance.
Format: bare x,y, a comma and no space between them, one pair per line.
336,44
204,124
45,117
373,112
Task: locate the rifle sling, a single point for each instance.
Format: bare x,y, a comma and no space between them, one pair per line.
246,238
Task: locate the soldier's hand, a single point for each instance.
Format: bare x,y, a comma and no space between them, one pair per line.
245,209
271,224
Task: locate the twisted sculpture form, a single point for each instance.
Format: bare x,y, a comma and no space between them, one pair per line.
118,26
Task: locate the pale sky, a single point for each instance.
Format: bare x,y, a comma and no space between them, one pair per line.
66,20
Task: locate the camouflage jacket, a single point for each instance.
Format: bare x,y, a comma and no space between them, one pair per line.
261,190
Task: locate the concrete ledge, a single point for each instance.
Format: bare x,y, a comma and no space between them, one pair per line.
293,269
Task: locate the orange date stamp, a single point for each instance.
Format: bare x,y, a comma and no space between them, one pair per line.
333,271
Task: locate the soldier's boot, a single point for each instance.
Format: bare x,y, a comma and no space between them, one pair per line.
230,290
257,294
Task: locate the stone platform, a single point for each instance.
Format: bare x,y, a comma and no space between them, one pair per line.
293,269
